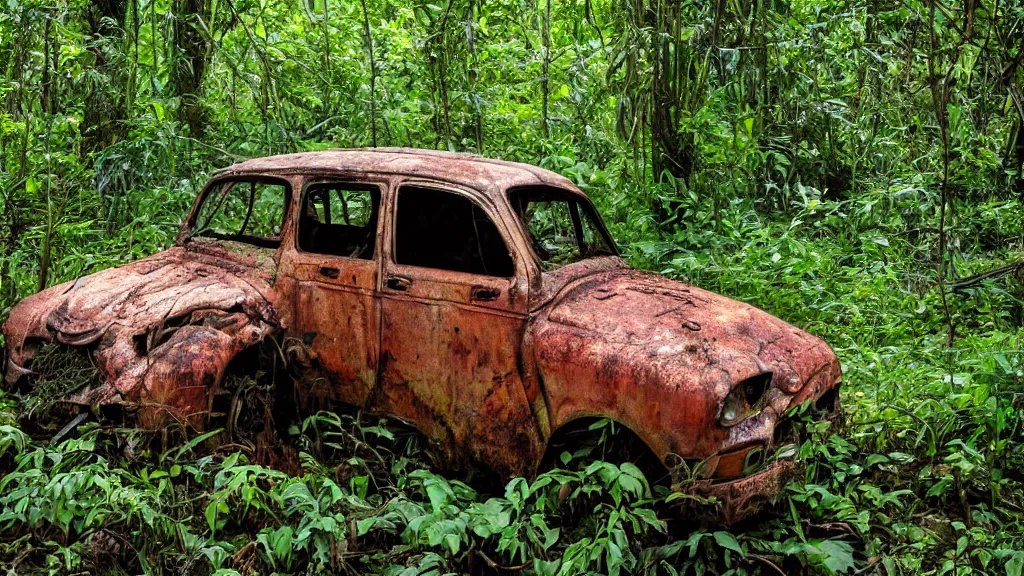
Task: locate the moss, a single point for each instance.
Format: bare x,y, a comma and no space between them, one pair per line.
60,372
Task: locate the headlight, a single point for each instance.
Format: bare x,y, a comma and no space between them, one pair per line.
743,398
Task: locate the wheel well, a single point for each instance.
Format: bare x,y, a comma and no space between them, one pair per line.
589,438
254,376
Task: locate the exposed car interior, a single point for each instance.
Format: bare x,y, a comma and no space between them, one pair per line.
250,211
340,220
448,231
562,228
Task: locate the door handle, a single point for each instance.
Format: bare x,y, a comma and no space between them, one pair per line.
330,272
483,294
398,283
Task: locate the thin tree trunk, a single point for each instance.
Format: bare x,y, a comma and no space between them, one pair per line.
1018,143
940,96
368,37
672,149
47,99
440,61
154,71
104,112
133,73
189,64
15,107
545,84
45,250
328,68
473,71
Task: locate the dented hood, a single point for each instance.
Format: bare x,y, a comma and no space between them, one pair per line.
143,294
665,355
699,328
187,308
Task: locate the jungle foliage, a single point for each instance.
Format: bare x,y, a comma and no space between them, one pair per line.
855,167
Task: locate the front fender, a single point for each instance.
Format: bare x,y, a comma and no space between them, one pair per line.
662,358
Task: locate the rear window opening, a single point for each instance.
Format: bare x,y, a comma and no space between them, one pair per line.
243,210
563,228
340,219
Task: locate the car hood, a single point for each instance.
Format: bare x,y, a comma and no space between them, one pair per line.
664,355
169,305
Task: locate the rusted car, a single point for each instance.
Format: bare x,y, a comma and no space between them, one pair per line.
483,302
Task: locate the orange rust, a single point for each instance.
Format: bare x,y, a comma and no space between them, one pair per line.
730,465
488,367
744,497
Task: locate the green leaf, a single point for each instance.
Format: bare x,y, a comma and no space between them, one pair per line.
282,540
543,568
875,459
437,494
694,541
1015,565
838,556
452,543
211,516
728,541
363,526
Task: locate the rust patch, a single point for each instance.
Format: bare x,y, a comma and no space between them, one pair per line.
741,499
164,329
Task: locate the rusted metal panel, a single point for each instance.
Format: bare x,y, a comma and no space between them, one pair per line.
162,329
661,357
491,177
337,320
742,498
458,381
450,348
489,368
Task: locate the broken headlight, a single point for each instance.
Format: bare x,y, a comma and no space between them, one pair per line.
743,398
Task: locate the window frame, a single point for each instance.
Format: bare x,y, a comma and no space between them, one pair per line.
478,199
312,182
217,182
583,199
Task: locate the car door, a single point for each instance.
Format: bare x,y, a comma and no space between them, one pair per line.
335,268
453,308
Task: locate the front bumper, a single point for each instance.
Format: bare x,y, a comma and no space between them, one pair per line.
744,497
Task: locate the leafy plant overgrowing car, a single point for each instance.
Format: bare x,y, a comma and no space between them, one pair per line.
482,302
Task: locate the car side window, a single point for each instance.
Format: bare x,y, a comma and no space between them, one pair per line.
243,210
340,219
562,228
447,231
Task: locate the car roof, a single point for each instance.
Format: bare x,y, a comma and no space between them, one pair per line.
470,170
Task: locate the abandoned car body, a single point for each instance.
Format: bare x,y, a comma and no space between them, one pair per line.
481,301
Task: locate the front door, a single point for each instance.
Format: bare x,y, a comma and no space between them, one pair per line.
453,308
337,309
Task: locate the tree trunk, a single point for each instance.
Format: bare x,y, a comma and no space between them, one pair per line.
105,103
672,149
1018,148
189,64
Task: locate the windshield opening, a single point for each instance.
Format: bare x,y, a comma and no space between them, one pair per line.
563,228
243,210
